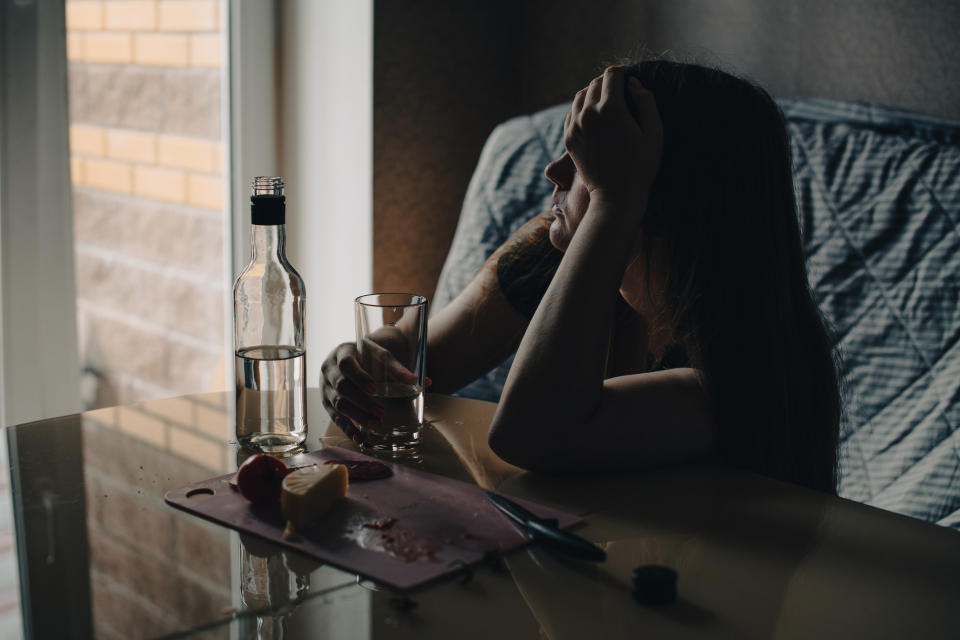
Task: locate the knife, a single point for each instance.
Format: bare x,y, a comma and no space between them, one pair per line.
546,531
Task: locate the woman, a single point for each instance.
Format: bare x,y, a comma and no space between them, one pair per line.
675,213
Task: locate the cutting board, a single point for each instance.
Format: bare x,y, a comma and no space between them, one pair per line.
401,531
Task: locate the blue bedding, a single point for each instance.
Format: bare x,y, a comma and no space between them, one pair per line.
879,198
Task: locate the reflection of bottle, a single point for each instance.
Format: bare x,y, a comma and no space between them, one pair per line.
268,587
268,305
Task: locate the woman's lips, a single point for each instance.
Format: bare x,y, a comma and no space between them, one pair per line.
557,210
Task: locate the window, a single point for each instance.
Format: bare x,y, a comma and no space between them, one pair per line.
147,167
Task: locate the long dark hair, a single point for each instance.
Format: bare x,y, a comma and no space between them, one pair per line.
723,215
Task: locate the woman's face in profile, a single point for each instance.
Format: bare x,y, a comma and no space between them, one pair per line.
570,200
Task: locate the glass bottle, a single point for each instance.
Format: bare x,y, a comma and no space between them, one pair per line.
268,306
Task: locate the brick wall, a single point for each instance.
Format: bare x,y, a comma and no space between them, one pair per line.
148,183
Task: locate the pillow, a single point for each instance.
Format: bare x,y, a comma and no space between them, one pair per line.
879,197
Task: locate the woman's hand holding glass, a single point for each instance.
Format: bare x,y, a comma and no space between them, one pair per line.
349,389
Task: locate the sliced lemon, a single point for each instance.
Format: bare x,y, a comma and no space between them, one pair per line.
310,492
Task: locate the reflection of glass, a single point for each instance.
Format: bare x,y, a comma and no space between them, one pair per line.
268,303
242,454
270,582
392,343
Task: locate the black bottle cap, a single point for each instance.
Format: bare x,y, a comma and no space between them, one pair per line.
654,584
267,209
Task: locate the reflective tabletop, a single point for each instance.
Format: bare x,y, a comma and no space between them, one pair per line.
100,554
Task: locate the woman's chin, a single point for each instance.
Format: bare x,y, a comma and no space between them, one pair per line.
558,235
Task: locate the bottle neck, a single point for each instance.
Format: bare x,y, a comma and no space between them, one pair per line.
268,242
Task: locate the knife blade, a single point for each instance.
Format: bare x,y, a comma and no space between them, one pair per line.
546,531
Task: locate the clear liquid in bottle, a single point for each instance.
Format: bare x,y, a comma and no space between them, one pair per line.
271,400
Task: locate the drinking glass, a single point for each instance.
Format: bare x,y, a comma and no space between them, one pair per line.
392,343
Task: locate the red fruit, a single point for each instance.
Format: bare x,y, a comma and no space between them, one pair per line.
260,478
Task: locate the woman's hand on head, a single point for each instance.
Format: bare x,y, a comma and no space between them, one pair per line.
614,136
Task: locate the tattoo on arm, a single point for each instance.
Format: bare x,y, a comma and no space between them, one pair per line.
526,264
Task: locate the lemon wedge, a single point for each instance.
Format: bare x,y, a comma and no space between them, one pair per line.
310,492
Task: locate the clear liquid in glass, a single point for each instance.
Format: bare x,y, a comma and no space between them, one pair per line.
271,398
401,426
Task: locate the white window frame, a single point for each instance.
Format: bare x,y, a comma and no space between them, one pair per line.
39,363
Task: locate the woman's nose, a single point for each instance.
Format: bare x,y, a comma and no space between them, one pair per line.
560,171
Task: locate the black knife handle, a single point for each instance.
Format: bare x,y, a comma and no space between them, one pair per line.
564,542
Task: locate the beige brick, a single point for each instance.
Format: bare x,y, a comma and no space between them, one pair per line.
225,368
218,158
205,191
134,463
93,490
186,153
120,613
146,226
179,304
160,49
135,146
124,348
131,15
160,184
189,15
145,525
206,50
84,15
197,449
108,175
76,170
204,601
94,218
177,409
213,422
142,426
87,140
108,48
74,47
101,417
199,539
153,580
195,368
224,400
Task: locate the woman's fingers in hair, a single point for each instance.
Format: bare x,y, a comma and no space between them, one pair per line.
594,90
612,94
645,109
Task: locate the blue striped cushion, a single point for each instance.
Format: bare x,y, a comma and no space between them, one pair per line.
879,197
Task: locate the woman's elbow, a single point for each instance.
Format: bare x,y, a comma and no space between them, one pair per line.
519,447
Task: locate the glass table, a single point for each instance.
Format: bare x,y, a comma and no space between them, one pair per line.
100,554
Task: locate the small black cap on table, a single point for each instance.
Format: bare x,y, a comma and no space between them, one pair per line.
654,584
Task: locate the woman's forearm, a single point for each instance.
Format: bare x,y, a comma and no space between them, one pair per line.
556,381
483,325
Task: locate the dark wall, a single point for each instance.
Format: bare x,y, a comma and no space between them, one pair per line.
445,73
